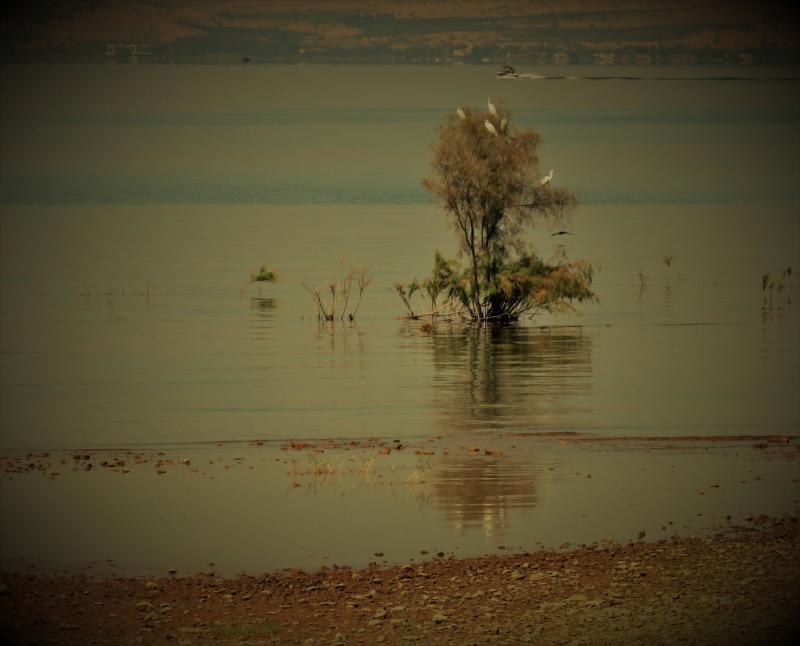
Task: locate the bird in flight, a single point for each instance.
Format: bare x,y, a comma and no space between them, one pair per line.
561,233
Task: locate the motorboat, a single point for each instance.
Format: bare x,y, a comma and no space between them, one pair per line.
507,70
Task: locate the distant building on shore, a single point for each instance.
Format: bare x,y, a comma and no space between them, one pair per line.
604,58
682,59
130,53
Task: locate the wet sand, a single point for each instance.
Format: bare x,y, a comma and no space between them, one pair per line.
741,586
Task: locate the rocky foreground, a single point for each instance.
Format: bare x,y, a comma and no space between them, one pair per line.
739,587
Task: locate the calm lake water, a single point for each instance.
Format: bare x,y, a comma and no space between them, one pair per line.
137,199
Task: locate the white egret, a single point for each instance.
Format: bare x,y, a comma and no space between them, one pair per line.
489,126
461,114
492,109
503,125
546,179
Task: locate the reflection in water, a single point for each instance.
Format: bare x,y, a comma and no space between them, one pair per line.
642,285
667,296
336,336
264,314
511,377
263,306
478,490
502,378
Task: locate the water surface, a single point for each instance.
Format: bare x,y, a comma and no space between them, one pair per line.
136,200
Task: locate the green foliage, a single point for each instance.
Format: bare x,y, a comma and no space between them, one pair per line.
263,275
487,184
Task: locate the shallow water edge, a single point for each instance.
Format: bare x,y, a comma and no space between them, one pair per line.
261,506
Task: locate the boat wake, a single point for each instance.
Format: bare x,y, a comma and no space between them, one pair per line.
540,77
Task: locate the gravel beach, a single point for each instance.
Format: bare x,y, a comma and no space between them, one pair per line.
740,586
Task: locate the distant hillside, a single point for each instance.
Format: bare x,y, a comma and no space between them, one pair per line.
421,31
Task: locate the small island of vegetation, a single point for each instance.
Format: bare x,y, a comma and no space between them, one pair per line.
484,174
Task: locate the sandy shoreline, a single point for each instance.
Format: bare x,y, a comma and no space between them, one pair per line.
741,586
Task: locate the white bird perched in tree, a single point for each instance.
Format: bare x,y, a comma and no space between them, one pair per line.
489,126
492,109
503,125
546,179
461,113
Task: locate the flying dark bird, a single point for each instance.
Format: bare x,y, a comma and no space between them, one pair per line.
562,233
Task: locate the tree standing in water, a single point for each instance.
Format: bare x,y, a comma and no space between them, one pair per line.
484,174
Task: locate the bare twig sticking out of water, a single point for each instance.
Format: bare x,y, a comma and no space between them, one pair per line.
668,287
319,303
776,290
340,292
362,282
445,309
642,282
404,295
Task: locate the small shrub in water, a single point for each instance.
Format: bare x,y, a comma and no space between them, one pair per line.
263,275
340,300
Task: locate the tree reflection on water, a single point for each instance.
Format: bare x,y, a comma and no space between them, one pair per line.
479,490
511,378
502,378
